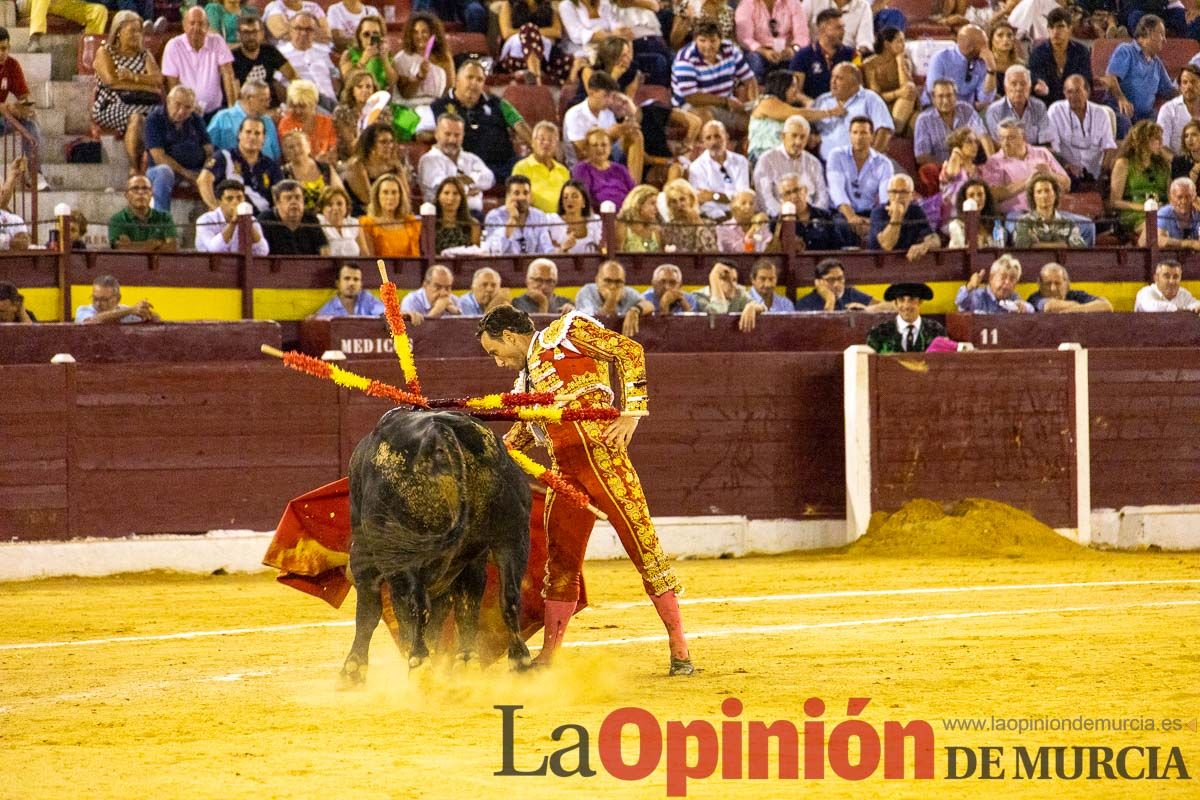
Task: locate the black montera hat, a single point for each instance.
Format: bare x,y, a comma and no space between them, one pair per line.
917,290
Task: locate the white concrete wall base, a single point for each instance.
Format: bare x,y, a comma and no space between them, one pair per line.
1141,527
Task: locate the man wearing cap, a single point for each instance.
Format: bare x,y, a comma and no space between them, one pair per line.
908,331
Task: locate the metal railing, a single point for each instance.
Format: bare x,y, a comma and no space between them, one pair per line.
17,142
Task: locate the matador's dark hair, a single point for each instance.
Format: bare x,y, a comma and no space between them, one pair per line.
504,318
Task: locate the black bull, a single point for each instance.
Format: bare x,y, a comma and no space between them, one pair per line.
433,497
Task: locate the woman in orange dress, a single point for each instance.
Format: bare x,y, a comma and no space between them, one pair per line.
389,227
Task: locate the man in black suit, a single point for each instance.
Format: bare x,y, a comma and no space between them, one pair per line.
908,331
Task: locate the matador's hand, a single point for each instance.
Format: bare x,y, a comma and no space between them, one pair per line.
620,432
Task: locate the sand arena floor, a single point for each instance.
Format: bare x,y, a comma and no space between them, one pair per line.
116,705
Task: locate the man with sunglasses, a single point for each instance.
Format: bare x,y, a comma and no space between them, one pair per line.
719,173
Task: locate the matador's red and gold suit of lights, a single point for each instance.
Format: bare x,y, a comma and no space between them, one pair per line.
572,356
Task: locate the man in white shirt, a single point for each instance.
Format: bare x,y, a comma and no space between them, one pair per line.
343,21
597,112
846,91
436,297
1165,294
447,159
790,158
1178,112
309,59
719,173
217,230
1081,132
279,15
857,16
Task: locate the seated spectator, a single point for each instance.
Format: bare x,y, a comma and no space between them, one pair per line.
935,125
138,226
375,155
92,16
858,20
280,18
1166,293
830,292
546,174
666,292
718,173
541,276
350,300
1136,76
970,64
790,158
246,162
20,103
690,14
178,145
289,228
447,159
12,305
357,88
1175,16
1055,295
128,84
201,61
998,295
223,16
586,24
516,227
77,229
309,59
638,222
343,18
859,103
858,176
255,101
814,64
764,277
651,54
959,168
1175,114
746,231
488,120
419,79
1142,169
779,101
106,306
1178,220
1081,133
1043,225
1028,17
530,30
597,112
455,225
369,52
908,331
1002,41
707,76
723,295
485,294
610,297
685,229
217,230
614,57
1017,103
389,227
901,224
770,35
312,175
1045,57
255,60
14,233
301,115
1187,163
816,228
575,227
889,74
342,231
1009,170
991,232
435,298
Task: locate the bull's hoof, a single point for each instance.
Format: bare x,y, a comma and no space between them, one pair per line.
416,661
681,666
465,658
352,676
521,663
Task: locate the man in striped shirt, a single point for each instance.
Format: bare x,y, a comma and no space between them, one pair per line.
706,75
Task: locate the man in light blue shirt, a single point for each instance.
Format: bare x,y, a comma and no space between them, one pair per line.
106,306
999,295
845,90
666,292
1135,73
970,64
946,115
1178,220
516,228
485,293
609,297
435,298
763,279
1019,104
255,101
350,300
858,176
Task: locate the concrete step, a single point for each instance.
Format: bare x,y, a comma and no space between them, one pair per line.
74,98
36,67
8,15
51,121
62,48
86,177
112,151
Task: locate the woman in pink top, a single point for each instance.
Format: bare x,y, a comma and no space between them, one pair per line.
770,31
604,179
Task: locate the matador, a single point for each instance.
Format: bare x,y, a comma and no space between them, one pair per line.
573,356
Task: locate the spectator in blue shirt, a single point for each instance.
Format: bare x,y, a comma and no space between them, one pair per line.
847,92
1136,76
1055,295
1178,220
485,293
666,292
106,306
436,297
998,295
858,176
254,101
350,299
970,64
814,64
177,143
764,277
900,224
832,294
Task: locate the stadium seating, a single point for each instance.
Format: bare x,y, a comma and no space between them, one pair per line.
536,103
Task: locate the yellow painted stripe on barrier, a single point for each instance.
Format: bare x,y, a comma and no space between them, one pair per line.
44,303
